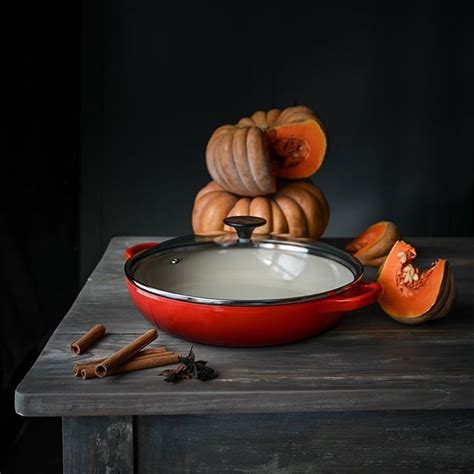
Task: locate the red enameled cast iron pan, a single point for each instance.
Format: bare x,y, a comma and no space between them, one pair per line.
246,290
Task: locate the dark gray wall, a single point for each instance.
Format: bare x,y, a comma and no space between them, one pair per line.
392,86
39,204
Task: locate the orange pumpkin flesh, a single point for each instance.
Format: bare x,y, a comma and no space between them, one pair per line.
298,149
374,243
410,296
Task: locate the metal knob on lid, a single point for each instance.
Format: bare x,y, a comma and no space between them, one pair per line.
244,225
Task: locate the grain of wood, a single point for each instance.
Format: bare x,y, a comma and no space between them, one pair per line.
367,362
98,445
438,441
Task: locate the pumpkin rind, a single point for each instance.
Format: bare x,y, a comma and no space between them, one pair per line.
237,159
213,209
376,262
431,296
298,208
373,245
241,157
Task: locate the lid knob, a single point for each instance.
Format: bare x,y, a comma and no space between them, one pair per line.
244,225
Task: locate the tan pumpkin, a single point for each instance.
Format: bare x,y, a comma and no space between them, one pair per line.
246,158
298,208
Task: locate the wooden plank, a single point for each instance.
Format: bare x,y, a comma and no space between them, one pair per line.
98,444
367,362
438,441
337,371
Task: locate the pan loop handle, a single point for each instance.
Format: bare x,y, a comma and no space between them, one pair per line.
134,249
244,226
360,295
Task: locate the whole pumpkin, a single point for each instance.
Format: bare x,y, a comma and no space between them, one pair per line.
298,208
246,158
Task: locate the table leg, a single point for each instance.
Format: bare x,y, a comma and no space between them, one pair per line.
98,444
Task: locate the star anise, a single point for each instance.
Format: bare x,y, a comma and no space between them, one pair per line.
190,368
175,375
207,373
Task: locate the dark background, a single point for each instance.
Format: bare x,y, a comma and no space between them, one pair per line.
108,107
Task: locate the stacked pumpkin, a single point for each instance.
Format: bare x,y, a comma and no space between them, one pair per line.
259,167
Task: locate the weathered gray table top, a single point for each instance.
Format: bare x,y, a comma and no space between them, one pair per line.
367,362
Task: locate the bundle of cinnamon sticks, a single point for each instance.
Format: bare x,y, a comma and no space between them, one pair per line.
130,358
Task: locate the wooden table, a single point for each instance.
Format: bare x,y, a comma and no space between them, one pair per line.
369,395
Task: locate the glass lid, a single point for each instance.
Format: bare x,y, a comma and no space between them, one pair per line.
243,269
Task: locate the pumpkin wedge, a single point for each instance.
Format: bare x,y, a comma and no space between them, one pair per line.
411,296
372,246
246,158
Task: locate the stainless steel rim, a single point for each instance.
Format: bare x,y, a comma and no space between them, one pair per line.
319,248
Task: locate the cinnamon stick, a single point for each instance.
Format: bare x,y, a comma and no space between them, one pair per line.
85,341
137,363
125,353
76,370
